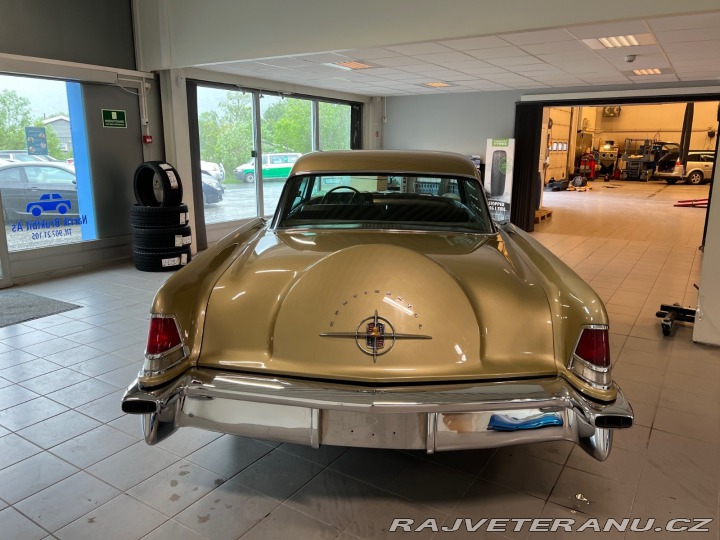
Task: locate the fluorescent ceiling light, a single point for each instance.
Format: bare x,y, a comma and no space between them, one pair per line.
651,71
614,42
436,84
351,64
619,41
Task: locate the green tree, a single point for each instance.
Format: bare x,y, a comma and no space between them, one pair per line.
226,134
286,127
15,115
334,120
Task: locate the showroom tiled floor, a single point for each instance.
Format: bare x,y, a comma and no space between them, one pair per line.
72,466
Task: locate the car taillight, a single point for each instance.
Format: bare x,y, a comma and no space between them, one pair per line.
591,358
164,347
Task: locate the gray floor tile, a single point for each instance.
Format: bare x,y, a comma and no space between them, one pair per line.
14,395
50,346
15,330
31,475
284,519
324,455
278,474
62,503
173,489
433,485
188,440
29,413
93,446
28,370
20,341
55,380
130,424
116,342
122,518
518,471
132,465
4,383
122,377
176,531
70,326
227,512
693,425
82,392
593,495
339,500
91,335
77,354
554,511
17,526
58,429
102,364
14,448
621,466
14,358
376,467
228,455
106,408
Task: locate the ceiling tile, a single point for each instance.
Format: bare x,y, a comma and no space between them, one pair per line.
397,61
325,58
619,28
500,52
420,48
540,36
685,22
442,58
370,54
470,44
513,61
679,36
470,64
554,47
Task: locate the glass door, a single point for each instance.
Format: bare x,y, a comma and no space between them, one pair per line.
5,279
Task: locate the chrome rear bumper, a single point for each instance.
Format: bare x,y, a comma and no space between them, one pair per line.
434,418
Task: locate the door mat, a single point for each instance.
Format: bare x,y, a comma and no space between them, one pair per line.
19,306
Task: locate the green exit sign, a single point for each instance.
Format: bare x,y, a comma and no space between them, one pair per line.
113,119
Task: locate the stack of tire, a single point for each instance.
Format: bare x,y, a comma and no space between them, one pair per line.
161,234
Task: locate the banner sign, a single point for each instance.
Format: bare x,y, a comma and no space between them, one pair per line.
498,177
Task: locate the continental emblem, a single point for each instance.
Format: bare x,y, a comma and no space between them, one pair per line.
375,336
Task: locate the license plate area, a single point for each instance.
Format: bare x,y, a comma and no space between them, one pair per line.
382,430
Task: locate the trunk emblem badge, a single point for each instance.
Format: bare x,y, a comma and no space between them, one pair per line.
374,336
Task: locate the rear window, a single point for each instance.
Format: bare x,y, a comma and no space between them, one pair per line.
384,201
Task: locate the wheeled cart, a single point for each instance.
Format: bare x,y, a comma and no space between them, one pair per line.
671,313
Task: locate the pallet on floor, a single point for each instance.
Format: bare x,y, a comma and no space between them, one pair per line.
542,215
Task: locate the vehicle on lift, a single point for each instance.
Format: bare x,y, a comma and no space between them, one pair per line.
698,171
381,307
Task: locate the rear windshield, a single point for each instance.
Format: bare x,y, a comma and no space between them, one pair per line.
384,201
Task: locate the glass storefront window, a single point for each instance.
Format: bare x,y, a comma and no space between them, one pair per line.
286,135
44,197
226,142
334,120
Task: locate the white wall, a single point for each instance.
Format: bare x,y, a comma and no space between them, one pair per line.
707,322
457,123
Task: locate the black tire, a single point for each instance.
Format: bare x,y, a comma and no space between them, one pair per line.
157,183
166,238
695,178
153,217
161,260
249,177
671,181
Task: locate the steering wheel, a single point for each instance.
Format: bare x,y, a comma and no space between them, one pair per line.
356,192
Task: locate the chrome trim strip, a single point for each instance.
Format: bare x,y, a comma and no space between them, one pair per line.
283,409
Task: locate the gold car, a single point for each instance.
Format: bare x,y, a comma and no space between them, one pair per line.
381,307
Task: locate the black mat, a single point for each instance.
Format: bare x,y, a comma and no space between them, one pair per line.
19,306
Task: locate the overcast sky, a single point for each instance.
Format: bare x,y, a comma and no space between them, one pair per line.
47,98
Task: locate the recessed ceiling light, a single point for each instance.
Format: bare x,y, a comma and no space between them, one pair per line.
651,71
351,65
436,84
619,41
613,42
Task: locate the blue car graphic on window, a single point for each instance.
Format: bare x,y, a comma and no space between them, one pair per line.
49,202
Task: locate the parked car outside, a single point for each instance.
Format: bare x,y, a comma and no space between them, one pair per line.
212,189
216,170
381,307
29,187
698,171
274,167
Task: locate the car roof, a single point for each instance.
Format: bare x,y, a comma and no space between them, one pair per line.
385,161
53,164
